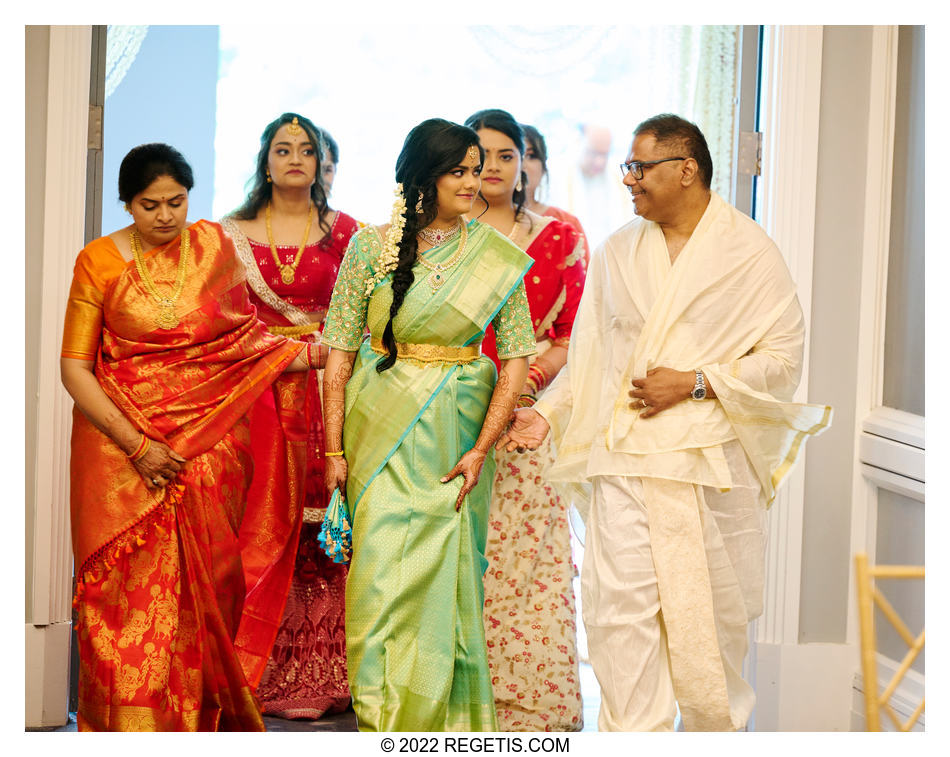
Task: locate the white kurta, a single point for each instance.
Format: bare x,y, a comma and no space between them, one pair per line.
728,306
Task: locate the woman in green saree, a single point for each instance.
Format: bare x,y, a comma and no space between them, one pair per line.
411,415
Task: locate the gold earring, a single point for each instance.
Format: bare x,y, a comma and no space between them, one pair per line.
518,186
419,203
128,209
268,175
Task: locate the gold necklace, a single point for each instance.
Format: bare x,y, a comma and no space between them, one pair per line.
287,271
437,278
167,319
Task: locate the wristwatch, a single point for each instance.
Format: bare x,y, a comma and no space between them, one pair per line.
699,391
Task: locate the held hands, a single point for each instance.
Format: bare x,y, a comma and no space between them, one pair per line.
159,465
527,430
334,473
661,389
470,467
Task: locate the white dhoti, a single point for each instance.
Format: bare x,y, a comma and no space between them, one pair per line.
655,637
675,503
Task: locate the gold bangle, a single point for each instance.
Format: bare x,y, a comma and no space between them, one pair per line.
312,362
140,451
333,454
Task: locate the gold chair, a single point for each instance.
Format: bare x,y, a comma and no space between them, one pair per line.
868,597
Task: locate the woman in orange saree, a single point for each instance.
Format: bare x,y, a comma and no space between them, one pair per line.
163,355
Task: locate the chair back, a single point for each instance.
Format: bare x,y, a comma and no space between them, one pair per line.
869,597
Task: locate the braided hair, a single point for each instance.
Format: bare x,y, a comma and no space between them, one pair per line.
432,149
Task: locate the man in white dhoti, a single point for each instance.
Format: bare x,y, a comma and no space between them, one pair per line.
673,424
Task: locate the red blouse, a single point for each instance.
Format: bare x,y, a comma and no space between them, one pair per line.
316,273
554,285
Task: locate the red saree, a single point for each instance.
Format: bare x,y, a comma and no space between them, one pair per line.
159,581
554,284
291,639
563,215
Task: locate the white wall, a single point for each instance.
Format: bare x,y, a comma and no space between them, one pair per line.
37,74
839,219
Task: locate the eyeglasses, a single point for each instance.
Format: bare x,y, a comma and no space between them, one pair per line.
636,166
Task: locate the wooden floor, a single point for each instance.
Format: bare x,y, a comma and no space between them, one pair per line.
346,721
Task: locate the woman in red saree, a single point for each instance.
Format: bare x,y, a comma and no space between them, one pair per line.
535,166
163,355
291,640
530,620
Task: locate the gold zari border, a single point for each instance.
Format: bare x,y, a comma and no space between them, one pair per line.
314,514
430,353
306,328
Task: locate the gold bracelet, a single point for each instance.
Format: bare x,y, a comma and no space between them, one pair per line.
140,451
312,363
333,454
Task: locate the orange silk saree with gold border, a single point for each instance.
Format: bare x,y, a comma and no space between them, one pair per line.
160,586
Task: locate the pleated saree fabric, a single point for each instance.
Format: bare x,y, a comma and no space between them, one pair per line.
530,620
290,641
415,643
159,580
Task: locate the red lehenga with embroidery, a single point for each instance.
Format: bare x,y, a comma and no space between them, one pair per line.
159,589
291,639
529,613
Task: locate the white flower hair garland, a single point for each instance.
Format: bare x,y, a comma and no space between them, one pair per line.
389,257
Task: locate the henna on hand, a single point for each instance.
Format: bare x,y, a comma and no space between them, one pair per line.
500,410
335,474
339,371
497,416
337,382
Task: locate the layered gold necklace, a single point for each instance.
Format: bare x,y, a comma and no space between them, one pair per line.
437,278
287,270
167,318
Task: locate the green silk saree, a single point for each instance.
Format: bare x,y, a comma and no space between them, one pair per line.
416,653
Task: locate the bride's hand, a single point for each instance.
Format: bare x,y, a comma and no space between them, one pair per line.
334,474
470,467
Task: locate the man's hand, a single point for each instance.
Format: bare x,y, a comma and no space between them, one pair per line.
660,389
527,431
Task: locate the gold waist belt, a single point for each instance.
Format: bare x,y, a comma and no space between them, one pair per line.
307,328
430,353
